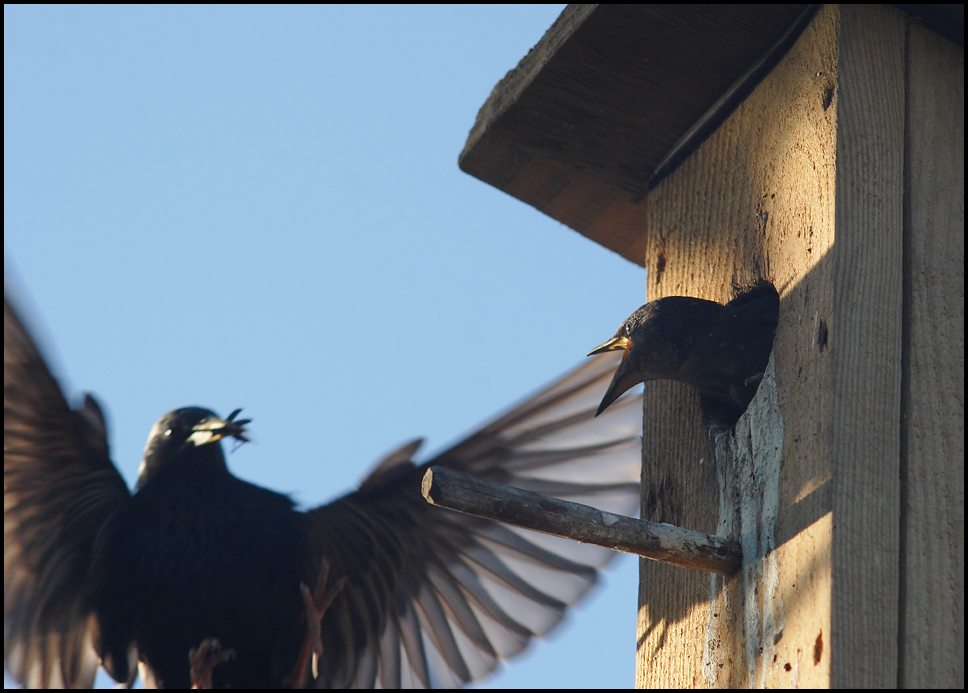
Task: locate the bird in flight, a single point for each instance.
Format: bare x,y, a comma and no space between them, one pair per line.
196,567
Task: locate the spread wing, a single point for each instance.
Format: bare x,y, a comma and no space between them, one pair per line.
58,487
437,598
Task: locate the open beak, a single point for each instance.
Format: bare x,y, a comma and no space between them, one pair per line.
214,429
624,379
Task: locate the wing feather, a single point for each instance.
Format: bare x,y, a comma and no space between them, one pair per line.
58,488
434,597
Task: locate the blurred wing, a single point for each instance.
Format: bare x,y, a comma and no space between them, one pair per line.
58,487
437,598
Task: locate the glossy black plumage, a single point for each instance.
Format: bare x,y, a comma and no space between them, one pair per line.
721,350
430,596
169,564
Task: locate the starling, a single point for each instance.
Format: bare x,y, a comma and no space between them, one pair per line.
384,588
721,350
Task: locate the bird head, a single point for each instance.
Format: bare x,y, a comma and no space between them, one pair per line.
720,350
634,338
653,338
187,435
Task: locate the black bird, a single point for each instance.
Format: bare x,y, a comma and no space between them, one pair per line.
721,350
96,574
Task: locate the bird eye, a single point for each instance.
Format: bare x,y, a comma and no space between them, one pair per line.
168,432
628,328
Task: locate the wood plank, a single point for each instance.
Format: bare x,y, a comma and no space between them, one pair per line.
756,200
933,393
864,342
597,104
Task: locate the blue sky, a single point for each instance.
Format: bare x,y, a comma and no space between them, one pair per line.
261,207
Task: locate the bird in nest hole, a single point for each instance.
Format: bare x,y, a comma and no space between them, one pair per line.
720,350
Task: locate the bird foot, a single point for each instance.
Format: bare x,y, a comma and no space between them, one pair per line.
202,659
316,603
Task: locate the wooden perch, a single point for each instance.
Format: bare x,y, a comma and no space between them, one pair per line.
464,493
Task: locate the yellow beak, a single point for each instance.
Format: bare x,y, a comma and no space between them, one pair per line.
614,344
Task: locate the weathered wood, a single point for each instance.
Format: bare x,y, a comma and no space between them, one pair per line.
933,394
864,343
840,179
563,130
802,185
685,548
756,200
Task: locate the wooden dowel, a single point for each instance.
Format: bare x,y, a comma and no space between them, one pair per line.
468,494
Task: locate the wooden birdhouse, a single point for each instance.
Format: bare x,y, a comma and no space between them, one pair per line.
820,148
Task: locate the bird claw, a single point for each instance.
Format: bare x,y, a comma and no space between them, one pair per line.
316,603
204,658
